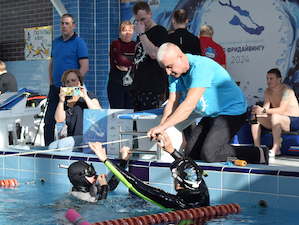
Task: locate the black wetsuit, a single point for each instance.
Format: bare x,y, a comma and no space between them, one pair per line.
185,198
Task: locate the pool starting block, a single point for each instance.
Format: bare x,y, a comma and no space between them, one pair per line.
147,119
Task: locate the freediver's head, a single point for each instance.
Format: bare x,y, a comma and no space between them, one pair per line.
77,172
187,173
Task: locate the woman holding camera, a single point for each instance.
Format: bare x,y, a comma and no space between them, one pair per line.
70,109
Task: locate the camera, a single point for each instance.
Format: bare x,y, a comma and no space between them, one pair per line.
70,91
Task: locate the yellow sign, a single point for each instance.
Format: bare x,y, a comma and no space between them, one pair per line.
38,43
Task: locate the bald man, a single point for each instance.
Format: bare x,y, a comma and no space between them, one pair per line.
208,89
210,48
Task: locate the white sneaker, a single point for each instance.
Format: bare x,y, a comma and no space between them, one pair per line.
271,153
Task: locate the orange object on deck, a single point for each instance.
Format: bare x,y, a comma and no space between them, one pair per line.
239,162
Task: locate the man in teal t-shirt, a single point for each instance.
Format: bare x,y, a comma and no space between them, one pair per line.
206,88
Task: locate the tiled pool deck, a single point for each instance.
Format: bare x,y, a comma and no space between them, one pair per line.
277,183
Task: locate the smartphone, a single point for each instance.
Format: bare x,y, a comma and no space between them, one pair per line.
70,91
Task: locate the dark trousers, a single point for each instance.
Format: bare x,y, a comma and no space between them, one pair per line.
209,141
119,95
145,100
53,99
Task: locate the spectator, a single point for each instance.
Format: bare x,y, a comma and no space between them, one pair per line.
149,84
187,42
70,109
68,52
122,51
209,48
8,81
280,111
209,90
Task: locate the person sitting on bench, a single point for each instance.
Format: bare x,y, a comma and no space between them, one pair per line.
280,111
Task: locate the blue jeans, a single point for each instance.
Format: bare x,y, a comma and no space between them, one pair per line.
53,99
68,142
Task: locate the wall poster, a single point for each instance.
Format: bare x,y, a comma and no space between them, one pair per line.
38,43
256,36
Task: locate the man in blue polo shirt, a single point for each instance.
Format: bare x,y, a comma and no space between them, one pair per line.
209,90
68,52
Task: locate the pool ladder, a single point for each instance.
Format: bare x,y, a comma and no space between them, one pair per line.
137,150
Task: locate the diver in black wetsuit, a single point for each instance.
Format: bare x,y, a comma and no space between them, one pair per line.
83,177
188,181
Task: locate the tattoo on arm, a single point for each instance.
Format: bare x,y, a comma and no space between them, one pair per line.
285,96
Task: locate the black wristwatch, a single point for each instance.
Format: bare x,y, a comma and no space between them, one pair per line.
264,110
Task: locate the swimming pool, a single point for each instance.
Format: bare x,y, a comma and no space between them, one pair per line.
46,203
49,200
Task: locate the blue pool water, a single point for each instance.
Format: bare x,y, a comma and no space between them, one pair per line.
46,203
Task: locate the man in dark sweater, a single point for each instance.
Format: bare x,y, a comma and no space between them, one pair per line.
187,42
8,81
150,80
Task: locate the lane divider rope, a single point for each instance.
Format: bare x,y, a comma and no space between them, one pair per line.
191,216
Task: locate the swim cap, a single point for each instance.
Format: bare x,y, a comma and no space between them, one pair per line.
77,172
187,172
